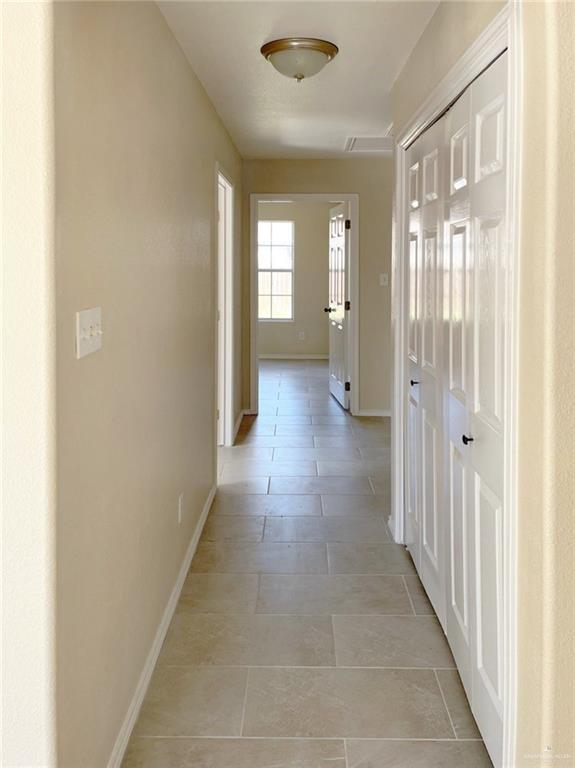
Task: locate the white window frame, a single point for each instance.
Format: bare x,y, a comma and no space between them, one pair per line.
271,271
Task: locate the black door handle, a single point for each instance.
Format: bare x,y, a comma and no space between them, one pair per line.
413,383
466,440
328,309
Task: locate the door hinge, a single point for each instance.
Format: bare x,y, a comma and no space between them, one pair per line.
348,223
347,305
347,386
218,414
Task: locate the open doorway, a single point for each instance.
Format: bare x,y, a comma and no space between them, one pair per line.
225,310
304,305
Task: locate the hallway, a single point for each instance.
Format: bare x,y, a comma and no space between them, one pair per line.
303,638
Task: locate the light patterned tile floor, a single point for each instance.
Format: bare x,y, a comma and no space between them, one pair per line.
303,637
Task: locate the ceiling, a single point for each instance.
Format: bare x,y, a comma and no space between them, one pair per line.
270,116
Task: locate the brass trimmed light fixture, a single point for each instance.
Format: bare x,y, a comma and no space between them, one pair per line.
299,57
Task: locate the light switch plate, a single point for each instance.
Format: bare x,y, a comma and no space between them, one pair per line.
88,331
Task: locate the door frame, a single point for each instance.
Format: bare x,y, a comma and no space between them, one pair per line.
225,323
353,316
503,33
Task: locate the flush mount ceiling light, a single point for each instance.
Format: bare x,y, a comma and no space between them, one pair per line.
299,57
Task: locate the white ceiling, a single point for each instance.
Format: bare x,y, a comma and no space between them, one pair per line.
270,116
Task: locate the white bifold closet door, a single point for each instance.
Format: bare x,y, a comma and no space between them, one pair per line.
457,287
426,160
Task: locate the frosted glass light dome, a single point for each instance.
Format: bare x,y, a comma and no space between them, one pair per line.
299,57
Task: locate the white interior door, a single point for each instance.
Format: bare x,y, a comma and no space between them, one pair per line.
456,280
425,421
485,455
336,309
432,566
457,377
412,282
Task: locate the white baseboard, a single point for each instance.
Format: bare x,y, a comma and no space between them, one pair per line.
123,738
293,357
374,413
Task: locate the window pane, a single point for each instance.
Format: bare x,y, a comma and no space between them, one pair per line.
264,257
282,232
282,257
264,232
281,307
264,307
265,282
281,283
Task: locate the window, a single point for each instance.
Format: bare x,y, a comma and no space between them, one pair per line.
275,270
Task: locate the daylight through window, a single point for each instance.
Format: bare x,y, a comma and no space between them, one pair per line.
275,270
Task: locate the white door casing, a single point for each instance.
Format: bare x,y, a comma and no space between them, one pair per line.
225,310
352,317
336,309
221,312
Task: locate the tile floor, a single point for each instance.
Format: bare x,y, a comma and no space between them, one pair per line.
303,637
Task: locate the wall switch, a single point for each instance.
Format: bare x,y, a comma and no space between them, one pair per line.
384,279
180,508
88,331
301,335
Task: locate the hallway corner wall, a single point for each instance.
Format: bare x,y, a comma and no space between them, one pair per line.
137,141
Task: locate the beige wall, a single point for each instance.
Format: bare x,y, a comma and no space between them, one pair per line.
136,145
546,413
311,222
372,180
546,487
451,30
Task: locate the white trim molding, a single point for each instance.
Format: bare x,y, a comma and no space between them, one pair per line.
503,33
127,726
225,333
353,316
381,413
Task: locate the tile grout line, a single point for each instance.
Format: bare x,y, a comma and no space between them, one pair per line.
304,738
244,703
334,643
408,594
257,600
321,668
445,704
